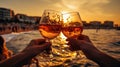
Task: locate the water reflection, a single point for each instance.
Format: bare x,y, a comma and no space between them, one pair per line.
61,53
104,40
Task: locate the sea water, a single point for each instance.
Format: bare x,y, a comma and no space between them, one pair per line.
105,40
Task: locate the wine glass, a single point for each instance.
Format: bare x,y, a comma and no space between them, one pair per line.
50,26
72,26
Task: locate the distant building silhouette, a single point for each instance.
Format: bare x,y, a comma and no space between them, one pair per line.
98,25
116,25
108,24
6,14
86,25
26,19
20,17
95,24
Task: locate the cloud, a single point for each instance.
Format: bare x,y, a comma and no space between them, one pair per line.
87,8
85,5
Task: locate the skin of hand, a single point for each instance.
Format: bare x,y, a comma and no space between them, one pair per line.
91,52
35,47
81,43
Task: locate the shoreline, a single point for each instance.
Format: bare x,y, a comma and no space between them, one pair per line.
18,42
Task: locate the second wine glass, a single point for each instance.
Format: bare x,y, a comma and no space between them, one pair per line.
72,26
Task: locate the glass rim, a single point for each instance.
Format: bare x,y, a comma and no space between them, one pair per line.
51,10
71,12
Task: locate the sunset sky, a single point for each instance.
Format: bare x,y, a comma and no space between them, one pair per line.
89,10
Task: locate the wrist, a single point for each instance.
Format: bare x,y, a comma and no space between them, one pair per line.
28,53
91,52
23,58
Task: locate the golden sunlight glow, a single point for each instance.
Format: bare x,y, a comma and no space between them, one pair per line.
66,16
62,36
63,39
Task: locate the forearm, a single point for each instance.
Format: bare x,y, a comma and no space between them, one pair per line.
102,59
17,60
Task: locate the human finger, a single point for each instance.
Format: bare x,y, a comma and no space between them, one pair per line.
39,41
45,46
73,44
84,37
36,42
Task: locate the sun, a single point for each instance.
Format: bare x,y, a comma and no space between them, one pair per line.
62,36
66,16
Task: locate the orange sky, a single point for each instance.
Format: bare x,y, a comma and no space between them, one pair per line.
89,10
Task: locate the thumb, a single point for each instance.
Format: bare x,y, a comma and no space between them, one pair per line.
45,45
